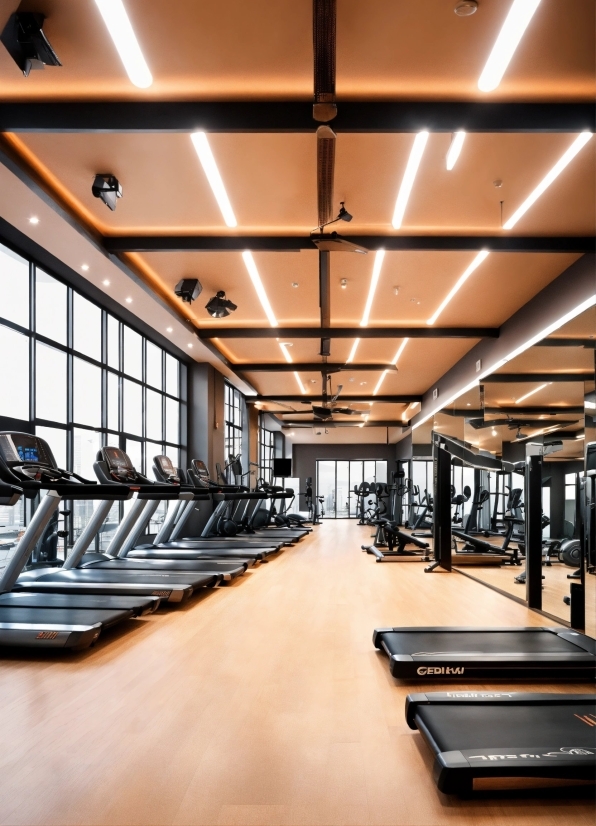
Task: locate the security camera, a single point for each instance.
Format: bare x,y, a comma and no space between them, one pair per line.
219,306
188,289
107,187
26,42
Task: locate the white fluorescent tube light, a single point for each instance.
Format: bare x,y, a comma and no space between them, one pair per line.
201,144
300,385
531,393
380,382
577,145
122,33
516,22
402,347
373,286
284,348
460,282
350,358
409,176
456,144
258,285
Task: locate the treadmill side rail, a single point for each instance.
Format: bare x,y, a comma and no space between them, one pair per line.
23,634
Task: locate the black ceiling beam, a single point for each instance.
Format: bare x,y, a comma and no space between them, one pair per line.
509,378
296,116
347,332
306,367
345,397
521,411
343,423
392,243
566,342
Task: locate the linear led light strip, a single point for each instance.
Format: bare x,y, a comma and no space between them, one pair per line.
379,257
512,31
531,393
578,144
454,150
258,285
409,177
283,345
547,331
350,358
122,33
201,145
402,347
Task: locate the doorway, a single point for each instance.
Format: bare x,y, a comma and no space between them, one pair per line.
336,479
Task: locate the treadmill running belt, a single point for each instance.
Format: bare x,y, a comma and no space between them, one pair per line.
63,616
495,642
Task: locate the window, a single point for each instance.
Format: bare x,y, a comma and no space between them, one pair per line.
266,454
233,415
90,379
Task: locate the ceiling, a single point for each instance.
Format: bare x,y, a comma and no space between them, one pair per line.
262,51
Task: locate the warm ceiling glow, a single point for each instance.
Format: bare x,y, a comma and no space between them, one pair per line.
460,282
201,144
129,300
300,385
516,22
34,219
380,382
84,267
350,358
531,393
283,345
409,176
373,286
258,285
453,154
106,282
577,145
170,330
122,33
402,347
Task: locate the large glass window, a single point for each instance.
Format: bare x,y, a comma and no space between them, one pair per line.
86,393
133,408
233,415
154,371
14,374
133,353
87,327
50,307
14,287
153,402
266,454
50,384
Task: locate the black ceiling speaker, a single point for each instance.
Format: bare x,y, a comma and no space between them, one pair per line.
219,306
26,42
107,187
188,289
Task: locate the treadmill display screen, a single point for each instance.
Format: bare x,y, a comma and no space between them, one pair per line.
18,448
201,469
117,458
28,454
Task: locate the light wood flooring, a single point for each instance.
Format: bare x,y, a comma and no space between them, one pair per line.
260,703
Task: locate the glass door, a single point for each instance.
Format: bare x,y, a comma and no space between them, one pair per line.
336,479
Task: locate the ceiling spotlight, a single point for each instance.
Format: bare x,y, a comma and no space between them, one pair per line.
351,379
362,383
84,267
219,306
106,282
344,283
188,289
107,187
170,330
129,300
26,43
294,284
313,381
189,346
396,291
498,183
465,8
34,219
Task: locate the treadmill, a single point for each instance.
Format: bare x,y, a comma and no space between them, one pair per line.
50,620
445,653
27,461
475,736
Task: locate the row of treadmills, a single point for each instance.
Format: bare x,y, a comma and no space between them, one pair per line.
68,606
476,736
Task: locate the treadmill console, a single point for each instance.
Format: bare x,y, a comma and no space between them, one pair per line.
120,468
165,470
202,473
23,448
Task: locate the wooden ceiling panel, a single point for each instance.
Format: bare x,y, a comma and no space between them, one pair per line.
238,50
556,394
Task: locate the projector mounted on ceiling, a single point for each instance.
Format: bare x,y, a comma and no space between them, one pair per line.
335,243
107,187
26,42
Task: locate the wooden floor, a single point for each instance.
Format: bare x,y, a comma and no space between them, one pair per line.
260,703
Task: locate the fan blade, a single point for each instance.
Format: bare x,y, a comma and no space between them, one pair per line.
340,387
322,412
324,15
325,171
347,411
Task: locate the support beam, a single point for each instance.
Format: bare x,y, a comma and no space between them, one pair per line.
343,423
510,378
296,116
347,332
307,367
522,411
391,243
308,399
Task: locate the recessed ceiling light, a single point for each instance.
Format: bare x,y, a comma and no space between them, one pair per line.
344,283
460,282
85,267
106,282
189,345
351,379
170,330
34,219
453,154
379,257
122,33
203,150
516,22
468,404
294,284
129,300
569,155
313,381
466,7
258,285
409,176
362,383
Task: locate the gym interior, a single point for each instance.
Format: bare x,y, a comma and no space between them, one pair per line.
298,412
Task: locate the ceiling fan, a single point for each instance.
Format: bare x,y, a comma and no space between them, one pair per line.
327,408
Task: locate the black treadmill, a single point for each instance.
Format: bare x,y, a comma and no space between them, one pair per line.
509,653
480,735
28,462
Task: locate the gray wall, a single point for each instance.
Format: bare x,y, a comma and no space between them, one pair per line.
304,457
